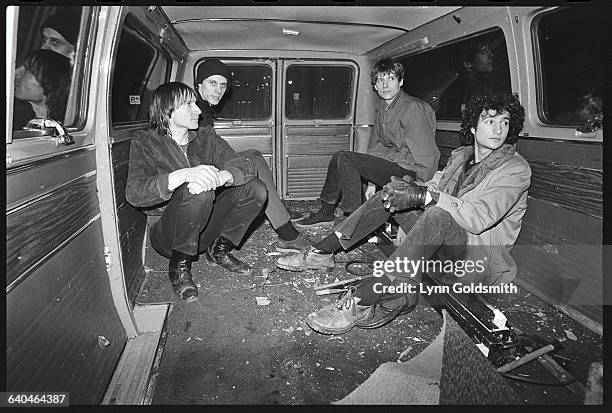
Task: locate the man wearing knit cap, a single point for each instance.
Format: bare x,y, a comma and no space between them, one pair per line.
60,32
211,80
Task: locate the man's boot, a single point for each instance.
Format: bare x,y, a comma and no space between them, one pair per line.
219,253
340,317
179,273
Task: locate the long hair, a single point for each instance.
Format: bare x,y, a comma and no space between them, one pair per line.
498,103
53,72
387,66
166,98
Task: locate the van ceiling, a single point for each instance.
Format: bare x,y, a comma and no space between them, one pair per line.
354,30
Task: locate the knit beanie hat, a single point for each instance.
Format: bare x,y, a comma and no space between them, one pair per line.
66,24
211,67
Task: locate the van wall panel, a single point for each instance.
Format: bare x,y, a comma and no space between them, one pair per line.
33,180
34,230
132,226
132,222
54,318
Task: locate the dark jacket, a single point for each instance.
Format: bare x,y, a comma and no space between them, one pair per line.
405,133
153,156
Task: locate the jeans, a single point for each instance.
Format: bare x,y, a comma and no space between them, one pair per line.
275,209
428,232
344,174
191,223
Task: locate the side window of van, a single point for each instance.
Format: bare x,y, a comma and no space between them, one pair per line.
318,91
48,52
571,69
249,97
449,75
140,68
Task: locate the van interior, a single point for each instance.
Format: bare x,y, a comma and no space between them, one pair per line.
89,309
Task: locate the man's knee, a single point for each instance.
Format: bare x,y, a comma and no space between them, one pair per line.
203,198
344,156
255,189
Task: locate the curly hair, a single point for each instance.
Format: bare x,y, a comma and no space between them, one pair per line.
387,66
53,72
166,99
498,103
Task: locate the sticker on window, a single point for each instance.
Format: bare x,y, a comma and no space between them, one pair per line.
134,100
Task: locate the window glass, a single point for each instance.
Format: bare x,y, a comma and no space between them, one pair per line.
249,97
139,69
47,48
318,91
446,77
571,71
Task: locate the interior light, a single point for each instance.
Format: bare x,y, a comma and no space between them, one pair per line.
289,32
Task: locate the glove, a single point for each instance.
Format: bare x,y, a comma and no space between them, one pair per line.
403,193
400,183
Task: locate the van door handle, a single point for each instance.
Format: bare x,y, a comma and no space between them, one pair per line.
52,127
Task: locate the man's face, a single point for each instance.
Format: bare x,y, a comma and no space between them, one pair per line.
388,86
186,115
27,87
213,88
483,61
52,40
492,130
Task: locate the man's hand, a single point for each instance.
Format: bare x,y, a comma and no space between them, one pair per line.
370,190
403,193
203,178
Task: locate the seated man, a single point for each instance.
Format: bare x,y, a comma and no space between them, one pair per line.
211,83
402,143
209,195
473,211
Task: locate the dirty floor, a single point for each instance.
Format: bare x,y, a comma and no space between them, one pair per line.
228,349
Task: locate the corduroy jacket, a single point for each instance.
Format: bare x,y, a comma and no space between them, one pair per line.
153,156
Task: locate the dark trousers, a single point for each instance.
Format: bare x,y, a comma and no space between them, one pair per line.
428,232
191,223
274,209
346,170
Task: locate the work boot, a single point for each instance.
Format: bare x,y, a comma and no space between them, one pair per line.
219,253
307,260
179,273
324,217
299,244
340,317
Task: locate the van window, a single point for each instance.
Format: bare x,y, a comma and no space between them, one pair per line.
140,68
571,66
48,66
448,76
314,91
250,94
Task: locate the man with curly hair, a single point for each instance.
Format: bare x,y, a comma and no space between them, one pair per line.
469,212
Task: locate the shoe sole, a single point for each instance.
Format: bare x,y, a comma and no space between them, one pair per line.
321,268
320,329
317,224
279,249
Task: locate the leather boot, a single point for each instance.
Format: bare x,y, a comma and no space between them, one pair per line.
219,253
179,273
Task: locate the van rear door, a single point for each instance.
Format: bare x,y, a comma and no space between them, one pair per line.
317,116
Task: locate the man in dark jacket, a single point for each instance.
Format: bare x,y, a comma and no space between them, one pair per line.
402,143
209,195
211,82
